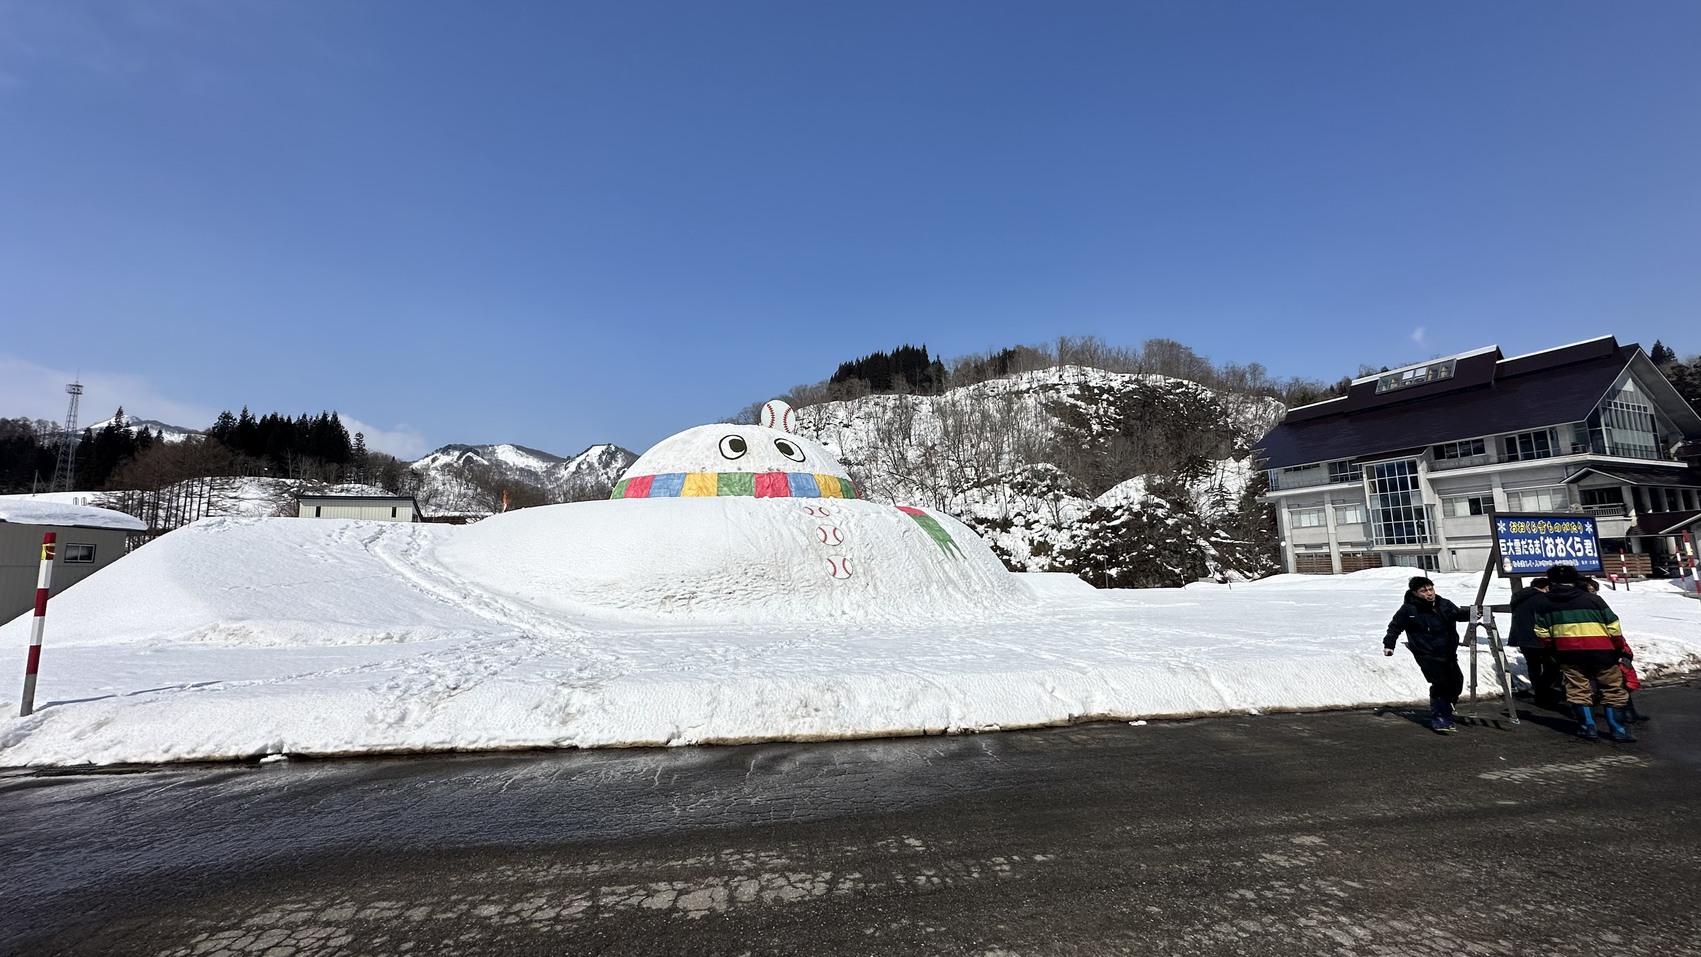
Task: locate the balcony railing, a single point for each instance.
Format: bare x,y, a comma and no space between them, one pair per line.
1465,462
1280,480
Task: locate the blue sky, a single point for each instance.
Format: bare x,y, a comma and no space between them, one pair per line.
559,224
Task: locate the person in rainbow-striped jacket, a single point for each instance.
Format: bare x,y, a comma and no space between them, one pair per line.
1585,637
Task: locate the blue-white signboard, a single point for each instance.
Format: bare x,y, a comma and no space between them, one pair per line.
1529,544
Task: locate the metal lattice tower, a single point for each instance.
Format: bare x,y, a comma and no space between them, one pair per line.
64,471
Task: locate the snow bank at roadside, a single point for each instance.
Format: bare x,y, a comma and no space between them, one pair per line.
239,637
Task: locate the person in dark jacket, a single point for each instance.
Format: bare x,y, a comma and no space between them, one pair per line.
1587,640
1546,680
1432,633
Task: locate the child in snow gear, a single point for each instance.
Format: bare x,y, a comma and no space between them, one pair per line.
1587,640
1632,681
1546,680
1432,633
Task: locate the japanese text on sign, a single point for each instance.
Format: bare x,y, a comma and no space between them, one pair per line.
1531,543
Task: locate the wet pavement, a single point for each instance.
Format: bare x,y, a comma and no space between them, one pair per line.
1346,833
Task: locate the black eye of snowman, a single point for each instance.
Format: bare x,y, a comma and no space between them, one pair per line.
734,447
789,450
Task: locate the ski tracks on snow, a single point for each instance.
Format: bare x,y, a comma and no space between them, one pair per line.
520,647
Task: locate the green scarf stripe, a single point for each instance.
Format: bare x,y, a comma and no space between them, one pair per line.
937,532
736,483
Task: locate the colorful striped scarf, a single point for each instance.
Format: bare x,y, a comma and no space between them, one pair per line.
755,484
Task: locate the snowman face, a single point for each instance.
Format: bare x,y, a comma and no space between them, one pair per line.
736,448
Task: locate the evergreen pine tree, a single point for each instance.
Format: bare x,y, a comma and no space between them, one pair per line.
224,428
357,458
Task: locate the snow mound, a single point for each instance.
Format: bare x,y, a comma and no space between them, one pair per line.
736,559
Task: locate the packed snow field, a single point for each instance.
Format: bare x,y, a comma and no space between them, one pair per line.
679,621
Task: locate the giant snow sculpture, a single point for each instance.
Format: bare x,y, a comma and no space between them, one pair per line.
747,522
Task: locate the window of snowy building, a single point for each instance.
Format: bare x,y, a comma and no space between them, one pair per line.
1528,445
1550,499
1461,505
1308,518
79,554
1345,472
1396,503
1609,497
1418,375
1459,450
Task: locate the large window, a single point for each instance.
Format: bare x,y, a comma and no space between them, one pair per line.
1308,518
1459,450
1461,505
1527,445
1396,503
1349,514
1550,499
1624,425
1345,472
1406,378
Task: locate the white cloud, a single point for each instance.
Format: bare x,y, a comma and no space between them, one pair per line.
1418,335
38,392
404,441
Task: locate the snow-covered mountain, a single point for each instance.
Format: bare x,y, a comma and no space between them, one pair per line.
1052,467
472,479
170,433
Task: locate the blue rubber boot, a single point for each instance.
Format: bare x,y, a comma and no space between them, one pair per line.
1585,721
1615,726
1441,716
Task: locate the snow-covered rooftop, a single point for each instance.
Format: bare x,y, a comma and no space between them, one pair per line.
28,510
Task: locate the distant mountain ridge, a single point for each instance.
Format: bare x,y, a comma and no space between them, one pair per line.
471,479
165,431
468,479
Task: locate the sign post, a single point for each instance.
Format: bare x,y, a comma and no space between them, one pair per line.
1528,544
1483,616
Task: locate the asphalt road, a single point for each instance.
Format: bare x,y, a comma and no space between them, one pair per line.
1356,833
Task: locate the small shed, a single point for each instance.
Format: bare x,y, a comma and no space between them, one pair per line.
89,539
375,508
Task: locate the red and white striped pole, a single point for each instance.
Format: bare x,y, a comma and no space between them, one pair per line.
42,582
